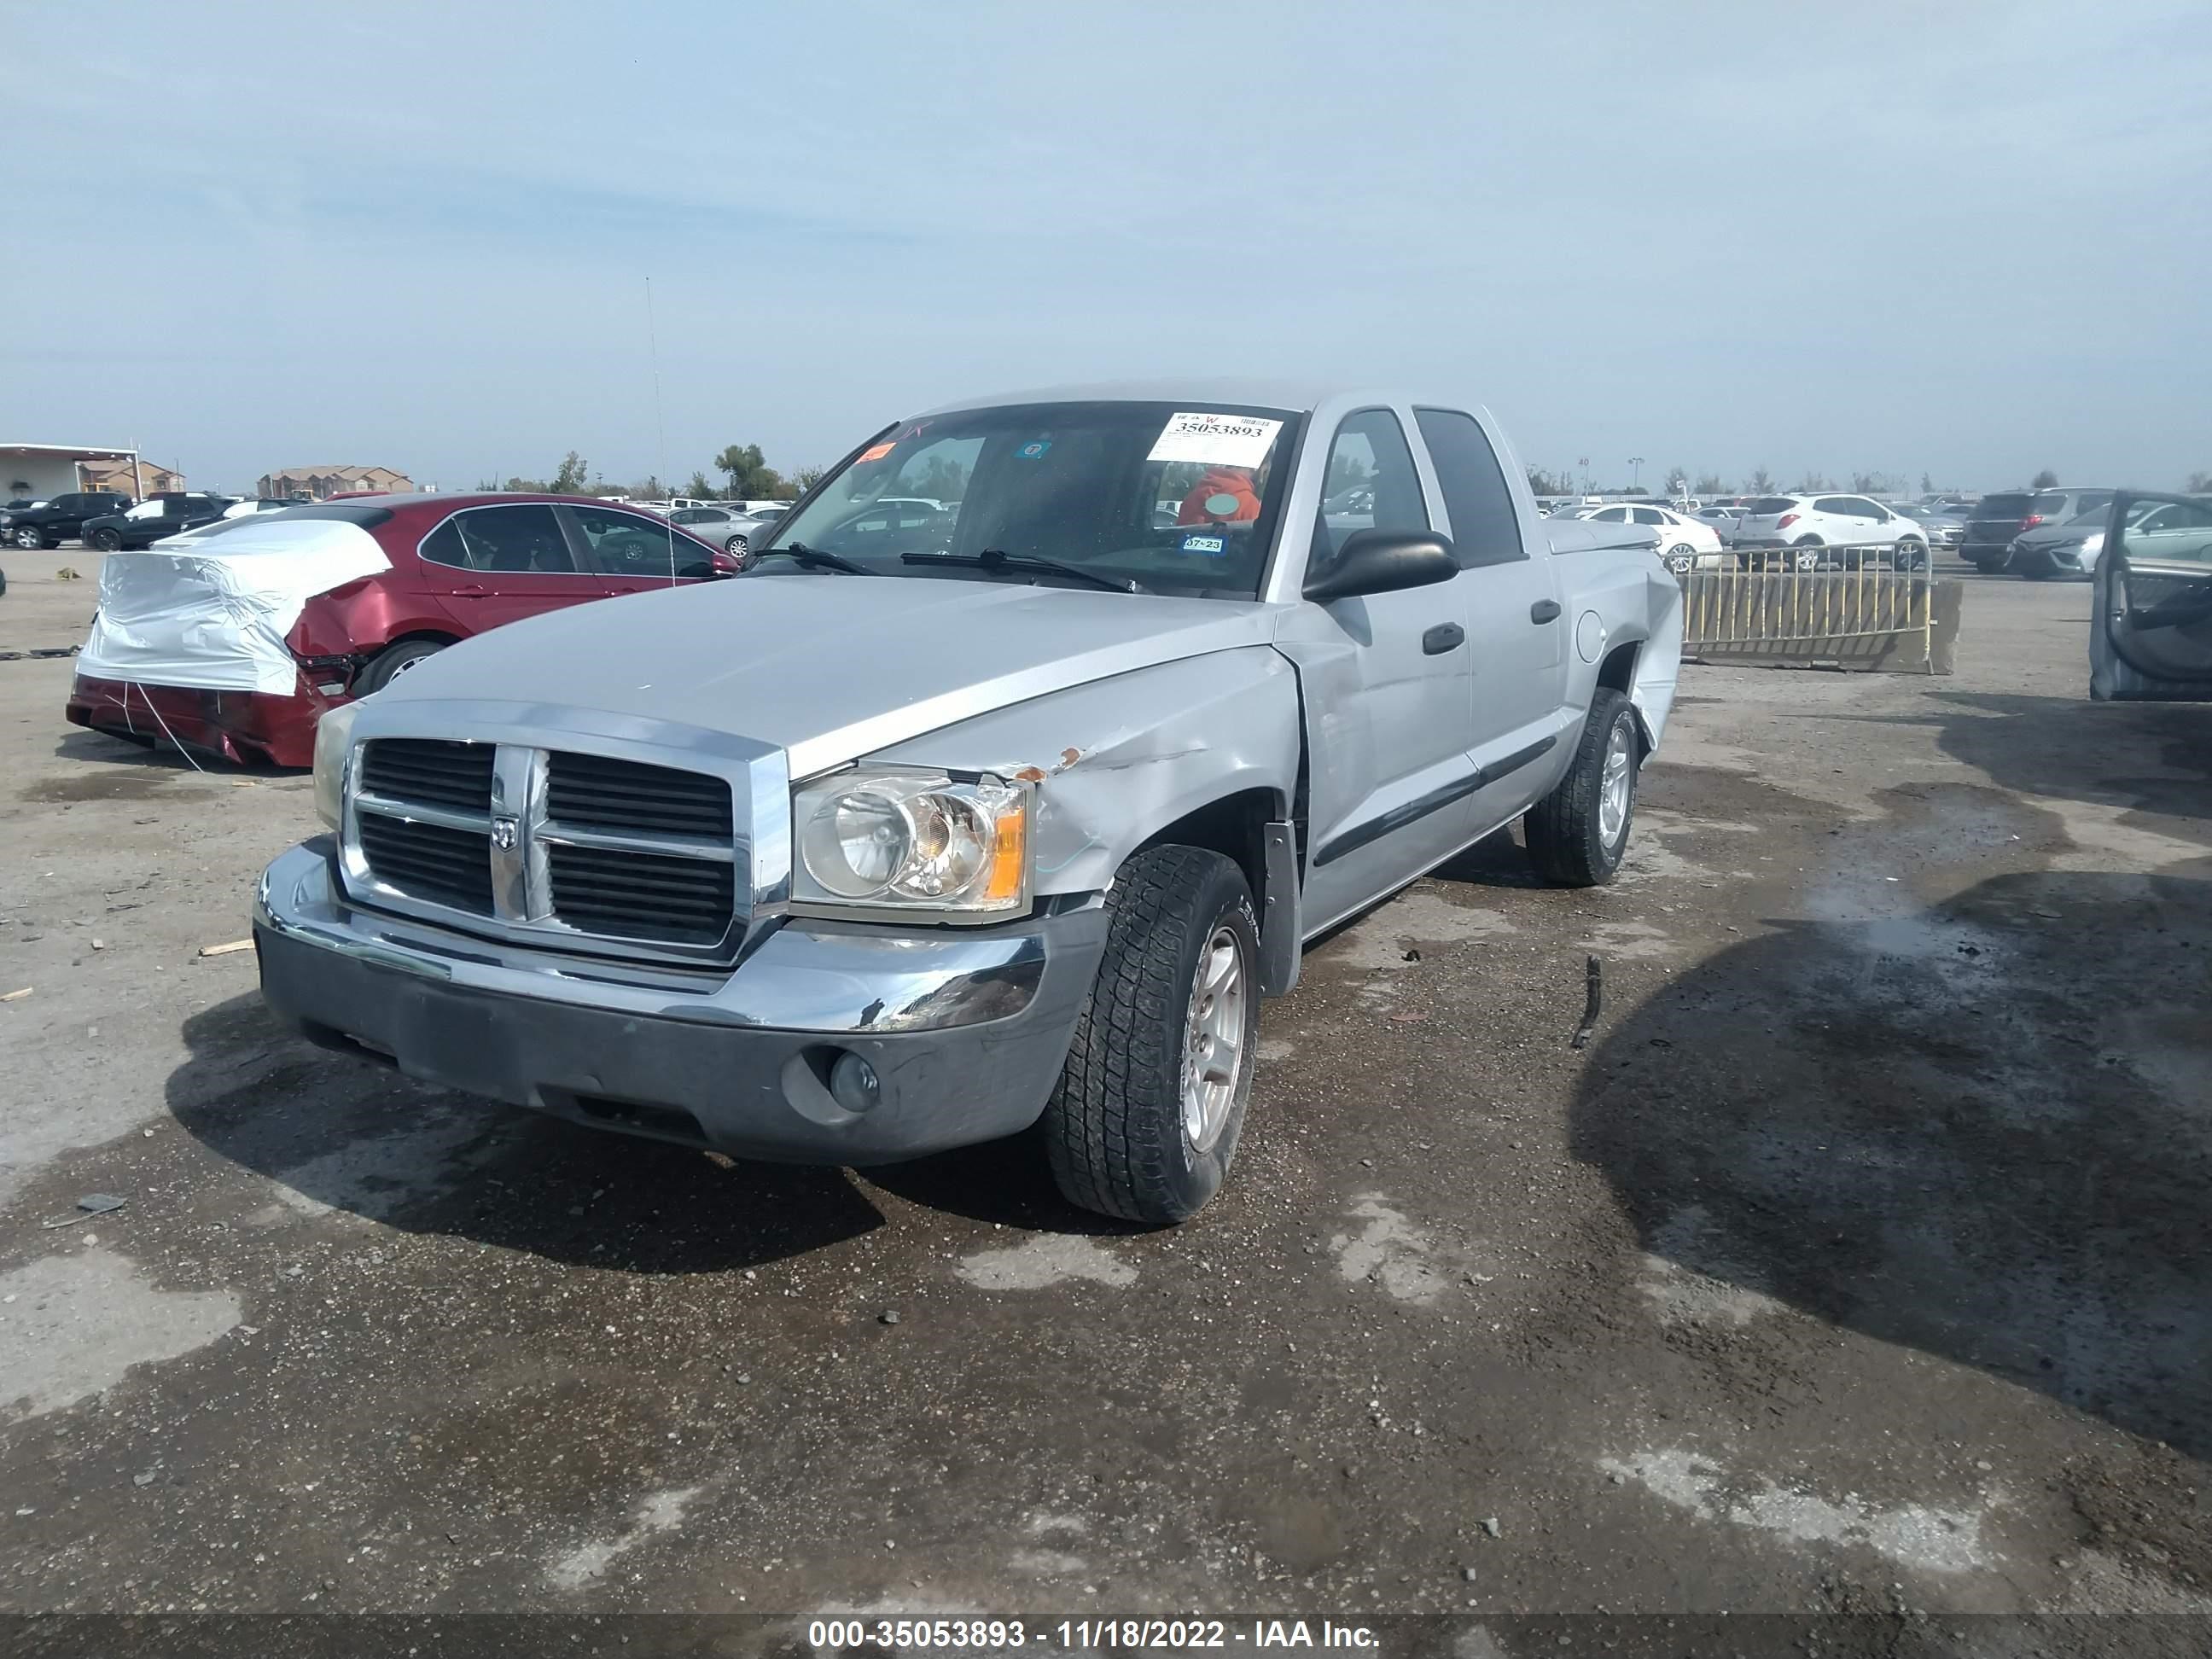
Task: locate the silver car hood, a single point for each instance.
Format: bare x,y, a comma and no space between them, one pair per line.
829,667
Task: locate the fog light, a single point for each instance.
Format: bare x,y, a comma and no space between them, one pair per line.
853,1084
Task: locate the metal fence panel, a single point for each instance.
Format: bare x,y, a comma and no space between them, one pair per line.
1862,616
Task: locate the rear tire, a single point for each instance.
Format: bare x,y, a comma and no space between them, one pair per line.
1808,554
1682,558
106,541
1134,1128
1578,833
394,662
1910,556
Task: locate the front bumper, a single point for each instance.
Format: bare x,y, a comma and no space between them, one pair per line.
252,728
966,1030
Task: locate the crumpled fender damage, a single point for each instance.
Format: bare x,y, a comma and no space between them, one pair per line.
1117,760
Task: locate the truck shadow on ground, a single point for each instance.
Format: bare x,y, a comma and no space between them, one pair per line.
1982,1130
2071,749
337,1134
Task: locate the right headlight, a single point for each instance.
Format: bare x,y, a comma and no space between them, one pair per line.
333,738
911,841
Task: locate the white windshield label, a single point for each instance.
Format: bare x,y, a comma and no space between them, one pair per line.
1215,439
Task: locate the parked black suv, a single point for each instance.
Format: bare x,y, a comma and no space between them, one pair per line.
158,515
61,515
1995,520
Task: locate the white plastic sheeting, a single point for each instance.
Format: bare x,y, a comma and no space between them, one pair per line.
211,611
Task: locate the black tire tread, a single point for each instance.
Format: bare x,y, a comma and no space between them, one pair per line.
1561,830
1124,1037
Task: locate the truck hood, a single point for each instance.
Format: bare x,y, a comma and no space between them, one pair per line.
830,667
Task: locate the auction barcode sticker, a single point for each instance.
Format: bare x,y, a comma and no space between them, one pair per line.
1215,439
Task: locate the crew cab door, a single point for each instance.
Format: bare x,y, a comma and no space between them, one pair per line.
1516,623
2150,630
1387,689
489,565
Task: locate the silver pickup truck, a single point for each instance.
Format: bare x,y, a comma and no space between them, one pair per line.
999,808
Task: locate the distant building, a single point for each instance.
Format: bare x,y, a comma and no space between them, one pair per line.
125,477
38,470
321,482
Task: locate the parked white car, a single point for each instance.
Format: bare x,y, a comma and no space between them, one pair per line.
1828,532
1685,543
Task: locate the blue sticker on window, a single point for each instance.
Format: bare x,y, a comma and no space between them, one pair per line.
1215,546
1033,450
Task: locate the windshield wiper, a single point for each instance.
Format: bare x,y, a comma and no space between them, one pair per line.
815,558
992,558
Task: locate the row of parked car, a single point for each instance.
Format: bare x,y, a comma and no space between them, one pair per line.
2034,533
109,521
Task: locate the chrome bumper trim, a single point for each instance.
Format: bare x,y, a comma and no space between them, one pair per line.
829,977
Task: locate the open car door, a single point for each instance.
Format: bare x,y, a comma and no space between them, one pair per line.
2150,634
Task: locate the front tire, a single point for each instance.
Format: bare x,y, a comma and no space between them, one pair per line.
26,538
1578,833
1910,556
1810,553
1145,1120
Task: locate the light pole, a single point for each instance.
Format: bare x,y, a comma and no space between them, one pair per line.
1636,477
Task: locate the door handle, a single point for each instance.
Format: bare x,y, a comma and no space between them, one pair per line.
1544,611
1444,636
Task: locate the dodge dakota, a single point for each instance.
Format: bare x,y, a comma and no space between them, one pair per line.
1044,733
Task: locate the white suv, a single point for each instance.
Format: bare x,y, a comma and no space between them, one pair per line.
1828,532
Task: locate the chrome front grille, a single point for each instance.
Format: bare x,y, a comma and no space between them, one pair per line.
598,791
551,842
430,772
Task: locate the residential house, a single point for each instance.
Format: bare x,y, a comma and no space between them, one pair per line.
321,482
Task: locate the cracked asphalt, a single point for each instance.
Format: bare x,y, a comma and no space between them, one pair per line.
1862,1263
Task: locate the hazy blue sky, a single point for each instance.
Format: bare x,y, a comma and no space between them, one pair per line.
1970,238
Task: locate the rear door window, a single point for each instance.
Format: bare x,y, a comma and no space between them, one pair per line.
626,545
524,539
1485,526
1648,515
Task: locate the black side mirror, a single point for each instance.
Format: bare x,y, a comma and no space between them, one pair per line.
1382,562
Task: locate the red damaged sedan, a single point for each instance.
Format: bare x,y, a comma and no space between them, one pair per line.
231,640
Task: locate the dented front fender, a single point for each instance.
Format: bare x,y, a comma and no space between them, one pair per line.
1117,760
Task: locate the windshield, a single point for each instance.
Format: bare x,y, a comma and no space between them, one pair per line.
1181,498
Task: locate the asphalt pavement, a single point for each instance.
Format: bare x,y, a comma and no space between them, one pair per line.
1862,1263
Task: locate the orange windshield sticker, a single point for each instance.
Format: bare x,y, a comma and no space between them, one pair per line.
877,451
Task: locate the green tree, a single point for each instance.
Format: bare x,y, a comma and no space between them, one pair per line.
1541,482
750,476
571,478
1812,480
1709,484
807,477
2200,483
526,486
2046,479
1762,482
1927,484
